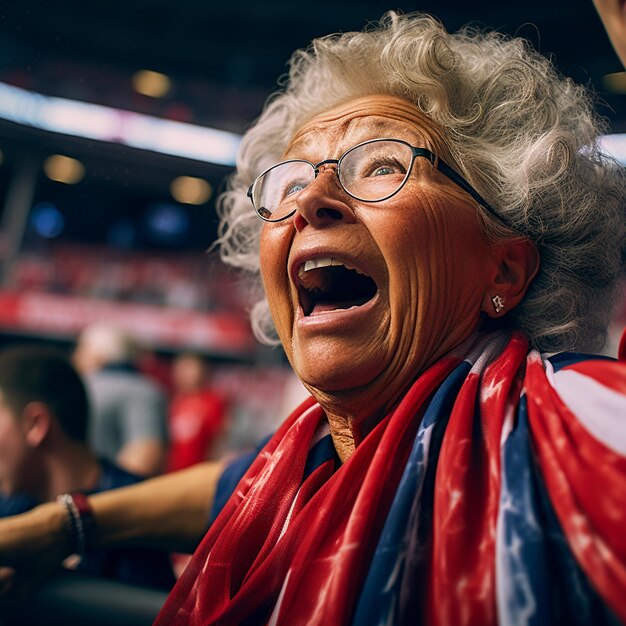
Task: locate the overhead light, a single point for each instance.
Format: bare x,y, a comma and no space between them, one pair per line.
150,83
190,190
615,82
94,121
47,220
64,169
615,145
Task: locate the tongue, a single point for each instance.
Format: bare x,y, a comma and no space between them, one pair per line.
324,307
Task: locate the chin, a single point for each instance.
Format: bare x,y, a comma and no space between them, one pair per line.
336,375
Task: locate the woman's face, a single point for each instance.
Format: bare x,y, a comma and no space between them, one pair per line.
422,251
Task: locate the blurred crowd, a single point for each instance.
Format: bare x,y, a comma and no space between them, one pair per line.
110,413
190,281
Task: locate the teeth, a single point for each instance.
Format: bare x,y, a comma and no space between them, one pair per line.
324,262
315,263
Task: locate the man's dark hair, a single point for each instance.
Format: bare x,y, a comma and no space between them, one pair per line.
39,374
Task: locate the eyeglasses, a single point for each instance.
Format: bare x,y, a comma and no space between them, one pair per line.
371,171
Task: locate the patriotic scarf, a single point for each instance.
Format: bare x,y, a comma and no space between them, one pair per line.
494,493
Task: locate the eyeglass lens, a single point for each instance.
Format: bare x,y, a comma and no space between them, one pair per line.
370,172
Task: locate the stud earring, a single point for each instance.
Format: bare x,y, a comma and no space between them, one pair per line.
498,303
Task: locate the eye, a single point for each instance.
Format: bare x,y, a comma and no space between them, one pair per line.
294,187
385,167
383,170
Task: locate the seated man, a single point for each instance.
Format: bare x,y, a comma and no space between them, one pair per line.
43,454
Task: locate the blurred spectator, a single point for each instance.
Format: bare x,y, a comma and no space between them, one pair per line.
128,417
613,16
197,413
43,453
155,367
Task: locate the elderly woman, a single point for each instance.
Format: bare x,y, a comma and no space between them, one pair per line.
434,219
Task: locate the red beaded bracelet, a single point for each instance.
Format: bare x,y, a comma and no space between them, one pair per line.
80,520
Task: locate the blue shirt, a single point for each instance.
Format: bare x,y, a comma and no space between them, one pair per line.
143,567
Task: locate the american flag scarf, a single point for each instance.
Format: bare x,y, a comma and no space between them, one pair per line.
494,493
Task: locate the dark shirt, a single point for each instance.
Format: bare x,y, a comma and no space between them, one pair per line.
144,567
232,474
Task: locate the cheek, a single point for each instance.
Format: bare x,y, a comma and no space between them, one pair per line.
274,254
439,240
436,257
11,450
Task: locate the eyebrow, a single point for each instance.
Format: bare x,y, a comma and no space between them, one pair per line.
384,128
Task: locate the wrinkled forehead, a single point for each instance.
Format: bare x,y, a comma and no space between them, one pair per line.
368,117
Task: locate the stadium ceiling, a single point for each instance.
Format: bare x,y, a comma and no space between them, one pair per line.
245,44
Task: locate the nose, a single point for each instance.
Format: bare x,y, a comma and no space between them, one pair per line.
322,202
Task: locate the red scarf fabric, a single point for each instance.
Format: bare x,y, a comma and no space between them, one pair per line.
289,550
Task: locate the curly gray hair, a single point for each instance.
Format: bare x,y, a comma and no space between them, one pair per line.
521,134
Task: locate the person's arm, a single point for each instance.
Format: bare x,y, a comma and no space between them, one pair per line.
168,512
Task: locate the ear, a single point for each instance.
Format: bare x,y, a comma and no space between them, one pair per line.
36,423
516,264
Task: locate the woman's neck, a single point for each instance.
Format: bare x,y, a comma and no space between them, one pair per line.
348,431
353,414
343,437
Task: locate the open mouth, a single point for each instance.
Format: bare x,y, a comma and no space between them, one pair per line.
329,284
